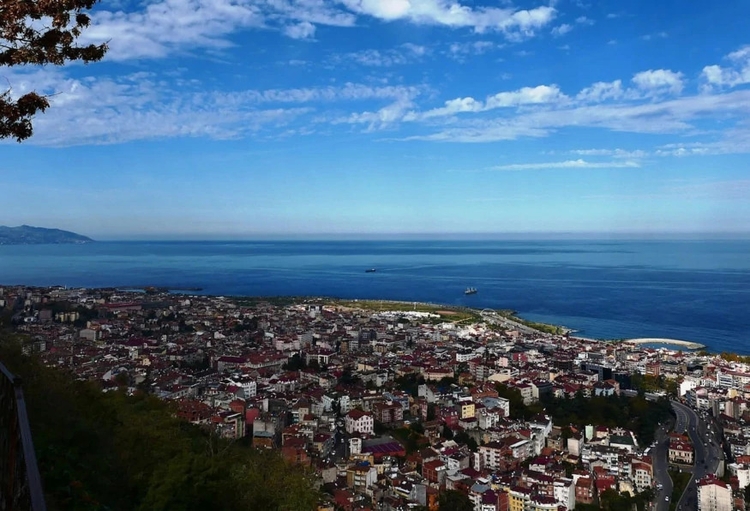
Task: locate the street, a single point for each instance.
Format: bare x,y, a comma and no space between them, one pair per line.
660,453
707,450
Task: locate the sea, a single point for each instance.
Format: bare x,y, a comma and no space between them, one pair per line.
694,290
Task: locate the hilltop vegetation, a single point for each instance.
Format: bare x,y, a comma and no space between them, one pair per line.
110,451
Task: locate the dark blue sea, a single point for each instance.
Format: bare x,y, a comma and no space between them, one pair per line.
610,289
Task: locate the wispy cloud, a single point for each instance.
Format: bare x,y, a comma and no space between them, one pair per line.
525,96
166,27
140,106
615,153
461,50
657,35
569,164
403,54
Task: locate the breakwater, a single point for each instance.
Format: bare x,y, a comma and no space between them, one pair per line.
673,342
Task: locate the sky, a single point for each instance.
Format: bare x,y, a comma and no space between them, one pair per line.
257,118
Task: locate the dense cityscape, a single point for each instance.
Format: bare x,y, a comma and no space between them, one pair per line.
399,406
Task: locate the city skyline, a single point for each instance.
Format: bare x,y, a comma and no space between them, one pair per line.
251,119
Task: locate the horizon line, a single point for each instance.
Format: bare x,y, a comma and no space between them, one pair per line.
468,236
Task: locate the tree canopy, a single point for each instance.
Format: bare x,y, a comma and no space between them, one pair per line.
39,32
109,451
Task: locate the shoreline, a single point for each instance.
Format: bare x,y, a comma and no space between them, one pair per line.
508,316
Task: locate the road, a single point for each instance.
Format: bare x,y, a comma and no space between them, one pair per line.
494,318
660,454
707,450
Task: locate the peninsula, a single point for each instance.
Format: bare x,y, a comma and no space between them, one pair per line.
29,235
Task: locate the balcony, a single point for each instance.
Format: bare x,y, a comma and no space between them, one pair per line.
20,484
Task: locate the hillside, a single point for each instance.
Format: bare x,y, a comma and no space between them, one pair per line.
110,451
28,235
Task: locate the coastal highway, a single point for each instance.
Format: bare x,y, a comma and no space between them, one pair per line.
708,452
494,318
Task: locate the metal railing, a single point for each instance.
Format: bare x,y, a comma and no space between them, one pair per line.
20,484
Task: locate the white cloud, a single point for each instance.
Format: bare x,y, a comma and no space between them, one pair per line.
515,24
163,26
561,30
601,91
658,35
301,30
564,28
738,72
460,51
147,106
382,118
569,164
167,26
616,153
659,81
453,106
525,96
663,117
733,141
404,54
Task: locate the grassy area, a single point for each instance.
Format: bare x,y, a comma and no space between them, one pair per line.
279,301
680,481
542,327
446,313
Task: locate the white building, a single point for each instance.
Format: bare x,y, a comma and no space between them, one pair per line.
565,492
714,495
742,471
361,422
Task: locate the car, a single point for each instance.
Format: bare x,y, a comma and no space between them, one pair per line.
666,499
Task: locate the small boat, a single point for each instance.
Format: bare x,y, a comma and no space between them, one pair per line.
470,291
371,270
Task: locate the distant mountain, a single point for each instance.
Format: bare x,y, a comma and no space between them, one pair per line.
28,235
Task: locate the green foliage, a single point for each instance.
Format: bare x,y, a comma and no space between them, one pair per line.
409,383
452,500
410,439
110,451
462,437
733,357
610,500
518,410
295,363
636,414
431,411
650,383
417,427
446,381
39,32
680,480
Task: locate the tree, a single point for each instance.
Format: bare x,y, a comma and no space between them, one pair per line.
110,451
39,32
452,500
462,437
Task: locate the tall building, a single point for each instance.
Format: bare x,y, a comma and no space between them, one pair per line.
714,495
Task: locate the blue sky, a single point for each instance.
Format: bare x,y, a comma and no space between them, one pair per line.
253,118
